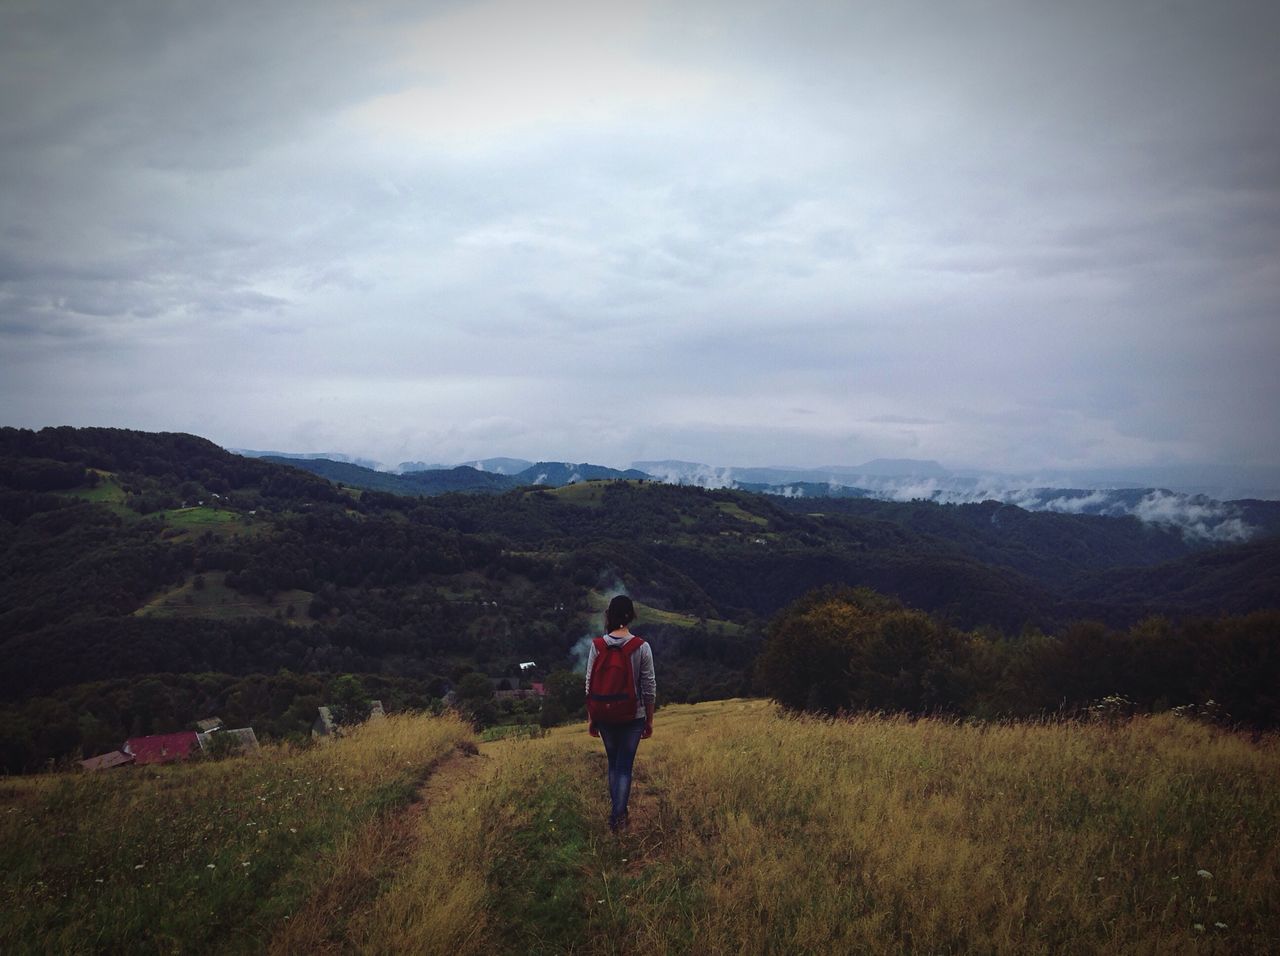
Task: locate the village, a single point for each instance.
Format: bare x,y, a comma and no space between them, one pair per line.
212,740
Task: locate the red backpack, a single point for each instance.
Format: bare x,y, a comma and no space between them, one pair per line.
612,699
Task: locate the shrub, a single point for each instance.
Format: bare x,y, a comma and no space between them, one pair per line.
852,649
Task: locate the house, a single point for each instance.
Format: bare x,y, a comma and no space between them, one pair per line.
116,758
242,740
162,748
324,726
508,688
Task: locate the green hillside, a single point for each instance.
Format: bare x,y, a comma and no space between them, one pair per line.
138,556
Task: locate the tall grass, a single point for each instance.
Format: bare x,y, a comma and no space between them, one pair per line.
755,833
752,833
199,857
893,835
505,860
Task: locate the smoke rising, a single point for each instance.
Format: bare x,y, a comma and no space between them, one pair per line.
611,588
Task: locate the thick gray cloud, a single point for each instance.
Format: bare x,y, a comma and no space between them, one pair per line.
1003,234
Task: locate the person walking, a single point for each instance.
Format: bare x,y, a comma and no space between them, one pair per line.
620,709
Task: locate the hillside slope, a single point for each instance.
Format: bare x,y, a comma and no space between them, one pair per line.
128,555
750,833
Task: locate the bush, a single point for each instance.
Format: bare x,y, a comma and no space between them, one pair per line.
849,649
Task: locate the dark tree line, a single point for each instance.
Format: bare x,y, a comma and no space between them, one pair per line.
843,650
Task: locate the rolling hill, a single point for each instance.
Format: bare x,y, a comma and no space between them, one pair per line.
125,555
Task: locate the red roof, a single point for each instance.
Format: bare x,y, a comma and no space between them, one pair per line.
162,748
538,688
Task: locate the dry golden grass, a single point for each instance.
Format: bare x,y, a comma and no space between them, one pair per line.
891,835
752,833
756,833
202,857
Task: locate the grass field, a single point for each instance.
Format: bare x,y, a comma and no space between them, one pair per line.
758,834
107,492
217,601
588,494
598,601
752,833
178,522
200,517
735,510
199,857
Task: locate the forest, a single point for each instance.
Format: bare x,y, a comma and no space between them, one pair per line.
149,579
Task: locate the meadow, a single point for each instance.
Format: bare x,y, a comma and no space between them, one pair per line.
752,833
212,599
755,833
207,856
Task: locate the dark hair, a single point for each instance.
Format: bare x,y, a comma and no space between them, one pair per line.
621,611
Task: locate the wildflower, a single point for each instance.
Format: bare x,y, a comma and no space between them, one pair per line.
99,880
293,830
1220,925
599,901
139,866
1198,927
245,863
1204,874
208,866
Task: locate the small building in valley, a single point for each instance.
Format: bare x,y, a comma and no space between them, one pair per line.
117,758
162,748
241,740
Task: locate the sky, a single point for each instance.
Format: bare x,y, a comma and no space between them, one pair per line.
1013,235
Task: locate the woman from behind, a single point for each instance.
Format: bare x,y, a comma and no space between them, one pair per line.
621,693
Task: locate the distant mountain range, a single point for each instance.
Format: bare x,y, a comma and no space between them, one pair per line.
463,478
1197,516
314,456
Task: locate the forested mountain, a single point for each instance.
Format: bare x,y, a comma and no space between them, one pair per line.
436,481
125,554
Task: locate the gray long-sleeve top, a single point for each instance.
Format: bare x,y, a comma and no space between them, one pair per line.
641,670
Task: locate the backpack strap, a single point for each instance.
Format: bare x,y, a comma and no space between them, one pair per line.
602,645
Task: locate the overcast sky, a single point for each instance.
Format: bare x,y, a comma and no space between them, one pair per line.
1007,234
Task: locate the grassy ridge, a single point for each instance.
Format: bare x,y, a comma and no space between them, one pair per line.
216,601
201,857
598,601
758,834
752,833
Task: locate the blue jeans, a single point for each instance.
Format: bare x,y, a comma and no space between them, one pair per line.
621,741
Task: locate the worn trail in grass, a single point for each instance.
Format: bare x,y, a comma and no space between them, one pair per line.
203,857
334,917
753,833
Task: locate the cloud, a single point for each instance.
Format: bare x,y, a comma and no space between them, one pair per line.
984,232
500,68
1195,517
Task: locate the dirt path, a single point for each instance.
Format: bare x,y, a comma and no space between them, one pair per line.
369,859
